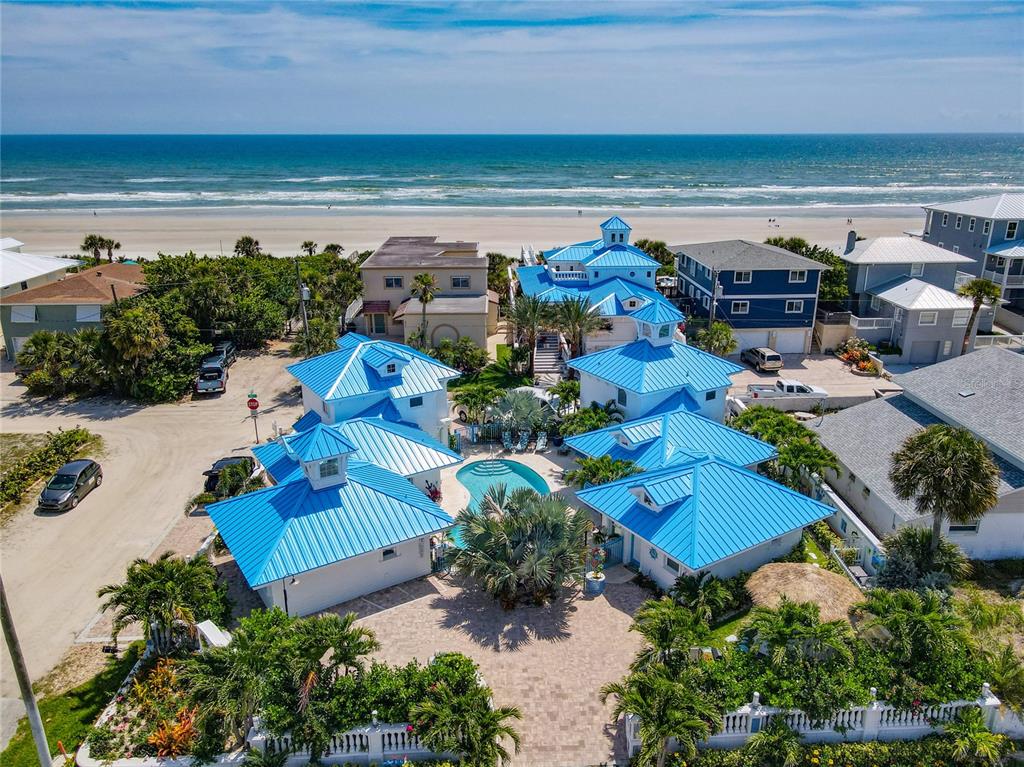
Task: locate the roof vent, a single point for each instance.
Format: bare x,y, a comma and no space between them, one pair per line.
966,393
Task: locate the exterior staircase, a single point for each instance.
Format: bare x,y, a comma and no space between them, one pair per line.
547,356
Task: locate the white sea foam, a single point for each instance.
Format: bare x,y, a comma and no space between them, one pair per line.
19,180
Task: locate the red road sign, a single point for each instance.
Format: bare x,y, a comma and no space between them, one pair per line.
253,403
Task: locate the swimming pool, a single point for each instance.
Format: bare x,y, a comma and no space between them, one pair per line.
480,476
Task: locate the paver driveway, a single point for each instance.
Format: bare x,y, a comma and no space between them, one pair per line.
549,661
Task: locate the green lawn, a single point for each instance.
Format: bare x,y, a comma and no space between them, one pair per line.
496,374
813,548
68,717
733,626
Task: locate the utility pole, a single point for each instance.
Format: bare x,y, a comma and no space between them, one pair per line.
715,288
24,683
303,294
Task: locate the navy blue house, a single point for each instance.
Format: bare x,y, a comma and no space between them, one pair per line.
766,294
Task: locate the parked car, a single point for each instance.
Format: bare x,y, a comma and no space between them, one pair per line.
785,387
761,358
212,379
226,351
213,473
72,482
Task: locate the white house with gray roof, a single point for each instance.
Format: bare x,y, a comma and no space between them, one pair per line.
981,392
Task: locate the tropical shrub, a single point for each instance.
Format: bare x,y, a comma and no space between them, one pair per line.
600,470
834,288
596,416
910,561
522,545
463,355
800,451
61,446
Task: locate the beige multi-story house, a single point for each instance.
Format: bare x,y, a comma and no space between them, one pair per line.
462,306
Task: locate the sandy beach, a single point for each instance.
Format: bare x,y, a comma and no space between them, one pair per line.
281,231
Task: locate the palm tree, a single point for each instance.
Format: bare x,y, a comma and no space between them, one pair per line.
1006,670
971,740
333,248
93,244
247,246
717,338
668,710
576,319
600,470
521,410
980,292
775,745
136,333
794,632
466,724
669,631
706,595
110,246
308,247
424,288
343,287
477,399
920,628
164,595
949,474
909,555
43,350
86,349
568,392
528,315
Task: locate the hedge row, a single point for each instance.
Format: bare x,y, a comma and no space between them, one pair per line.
60,447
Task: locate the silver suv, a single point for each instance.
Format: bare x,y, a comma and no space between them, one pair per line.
761,358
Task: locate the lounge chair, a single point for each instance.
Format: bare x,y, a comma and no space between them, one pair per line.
506,440
542,442
524,440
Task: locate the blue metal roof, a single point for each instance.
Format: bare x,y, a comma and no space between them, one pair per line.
608,296
712,510
616,224
318,443
678,400
622,255
397,447
347,372
678,437
658,313
577,252
383,408
291,528
307,421
644,368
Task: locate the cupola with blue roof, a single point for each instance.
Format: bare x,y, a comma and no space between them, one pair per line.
323,453
657,322
615,231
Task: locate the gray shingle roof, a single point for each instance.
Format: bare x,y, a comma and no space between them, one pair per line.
865,436
995,411
744,254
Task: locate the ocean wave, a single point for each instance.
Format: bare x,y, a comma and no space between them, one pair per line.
327,179
20,180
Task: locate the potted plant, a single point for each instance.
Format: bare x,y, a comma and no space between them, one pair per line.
595,580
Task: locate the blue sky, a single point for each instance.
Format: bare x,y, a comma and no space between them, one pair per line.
512,67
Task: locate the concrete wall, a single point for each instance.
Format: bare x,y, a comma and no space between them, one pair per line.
328,586
54,317
623,332
451,326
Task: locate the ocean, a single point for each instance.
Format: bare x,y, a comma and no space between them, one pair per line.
66,173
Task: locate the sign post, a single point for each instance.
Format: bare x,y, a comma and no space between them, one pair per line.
254,408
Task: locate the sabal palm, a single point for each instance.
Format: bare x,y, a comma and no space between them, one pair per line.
705,595
423,289
668,630
576,319
87,352
110,246
980,292
308,247
915,543
668,710
948,473
165,592
717,338
528,315
136,333
45,350
94,244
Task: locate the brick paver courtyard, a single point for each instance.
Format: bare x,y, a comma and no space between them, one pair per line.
549,661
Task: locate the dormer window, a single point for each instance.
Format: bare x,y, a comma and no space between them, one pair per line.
647,500
621,397
328,468
391,368
664,331
646,331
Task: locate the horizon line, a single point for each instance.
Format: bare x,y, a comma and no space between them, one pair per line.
523,134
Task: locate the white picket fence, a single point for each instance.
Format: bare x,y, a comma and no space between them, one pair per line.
876,721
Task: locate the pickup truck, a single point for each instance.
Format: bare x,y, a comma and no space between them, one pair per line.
212,379
785,387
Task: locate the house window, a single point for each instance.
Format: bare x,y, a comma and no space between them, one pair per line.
947,347
388,554
916,270
416,402
24,285
961,317
959,221
743,278
460,281
391,283
1011,229
87,314
956,248
391,368
648,274
596,275
739,307
689,290
941,244
945,219
23,314
928,318
558,268
621,397
646,331
705,302
671,564
794,307
708,396
798,275
876,303
986,227
379,324
329,468
693,268
664,331
631,303
970,224
972,528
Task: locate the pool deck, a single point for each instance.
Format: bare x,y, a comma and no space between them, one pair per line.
549,465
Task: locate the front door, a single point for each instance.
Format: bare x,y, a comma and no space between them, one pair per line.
633,561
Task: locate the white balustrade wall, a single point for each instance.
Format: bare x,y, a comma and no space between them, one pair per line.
876,721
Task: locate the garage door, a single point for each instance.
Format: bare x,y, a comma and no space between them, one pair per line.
924,352
750,339
790,341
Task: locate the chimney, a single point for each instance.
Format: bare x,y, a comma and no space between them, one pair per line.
851,241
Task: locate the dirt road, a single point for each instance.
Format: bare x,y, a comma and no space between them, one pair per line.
153,462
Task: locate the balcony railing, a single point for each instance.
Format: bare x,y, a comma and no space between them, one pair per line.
567,276
871,323
1011,280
